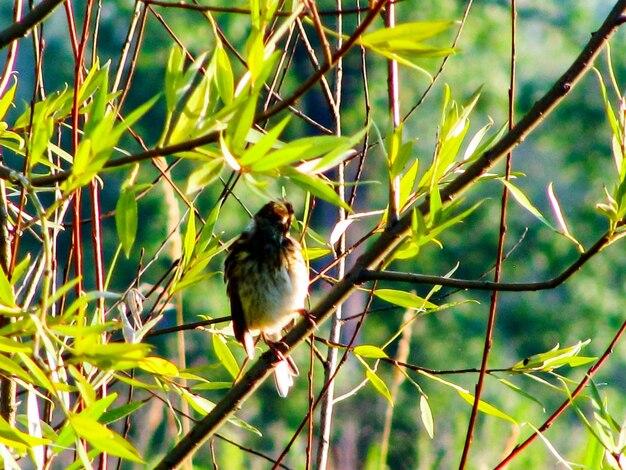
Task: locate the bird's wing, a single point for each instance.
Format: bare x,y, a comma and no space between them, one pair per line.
240,326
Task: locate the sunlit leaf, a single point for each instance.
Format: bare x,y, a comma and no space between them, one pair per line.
404,299
126,215
120,412
427,416
102,438
378,384
369,351
485,407
158,365
225,356
318,188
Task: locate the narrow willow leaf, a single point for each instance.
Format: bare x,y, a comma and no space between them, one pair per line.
173,76
204,175
414,32
18,440
225,356
311,253
301,149
552,450
7,99
120,412
404,299
378,384
206,233
485,407
259,150
560,218
223,74
427,416
318,188
11,346
521,198
189,241
102,438
34,425
126,219
339,229
159,366
554,358
615,125
522,392
369,351
37,376
7,297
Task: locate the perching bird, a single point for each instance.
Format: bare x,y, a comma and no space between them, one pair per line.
267,282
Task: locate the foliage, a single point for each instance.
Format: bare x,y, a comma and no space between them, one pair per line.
103,332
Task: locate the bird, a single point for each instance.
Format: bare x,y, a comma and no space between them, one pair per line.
267,283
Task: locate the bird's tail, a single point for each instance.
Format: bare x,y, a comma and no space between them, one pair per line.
286,369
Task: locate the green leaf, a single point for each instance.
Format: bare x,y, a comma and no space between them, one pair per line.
204,175
369,351
206,234
241,124
522,392
311,253
616,128
521,198
13,438
102,438
223,74
225,356
174,77
342,150
189,241
12,368
120,412
115,356
404,299
37,376
378,384
7,297
259,150
485,407
556,357
8,345
413,32
126,217
407,182
7,99
427,416
300,149
159,366
318,187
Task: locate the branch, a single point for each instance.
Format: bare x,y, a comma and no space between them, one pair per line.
386,243
583,383
370,275
21,28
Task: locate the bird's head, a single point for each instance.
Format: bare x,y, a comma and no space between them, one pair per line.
274,217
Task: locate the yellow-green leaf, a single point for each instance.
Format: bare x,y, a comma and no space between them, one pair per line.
225,356
485,407
404,299
370,351
158,365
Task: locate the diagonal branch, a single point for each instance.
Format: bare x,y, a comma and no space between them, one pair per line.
388,241
22,27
